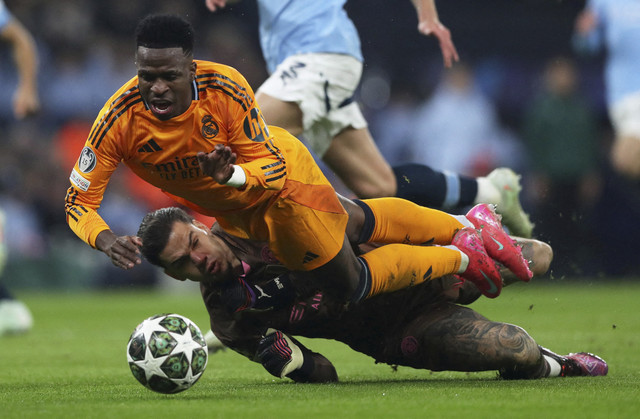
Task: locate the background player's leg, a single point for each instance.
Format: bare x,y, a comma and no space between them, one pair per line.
355,158
282,114
447,190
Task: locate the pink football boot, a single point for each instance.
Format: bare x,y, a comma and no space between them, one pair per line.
496,241
578,364
482,271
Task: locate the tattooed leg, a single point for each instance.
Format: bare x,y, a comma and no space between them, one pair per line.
456,338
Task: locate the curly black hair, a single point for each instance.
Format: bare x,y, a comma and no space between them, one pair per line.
165,31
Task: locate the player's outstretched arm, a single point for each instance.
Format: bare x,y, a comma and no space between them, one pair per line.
585,22
587,39
25,100
214,5
283,356
429,24
123,251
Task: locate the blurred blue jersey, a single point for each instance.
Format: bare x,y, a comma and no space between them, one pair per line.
5,16
289,27
618,31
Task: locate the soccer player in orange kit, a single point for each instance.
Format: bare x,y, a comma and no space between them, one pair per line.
193,129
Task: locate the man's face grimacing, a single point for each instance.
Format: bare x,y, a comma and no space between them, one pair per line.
193,252
165,77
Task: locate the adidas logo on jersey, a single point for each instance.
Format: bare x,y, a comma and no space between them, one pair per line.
308,257
150,147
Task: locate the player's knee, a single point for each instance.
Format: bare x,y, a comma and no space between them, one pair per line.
519,347
524,359
383,187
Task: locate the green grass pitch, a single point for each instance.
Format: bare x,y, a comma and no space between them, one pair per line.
73,364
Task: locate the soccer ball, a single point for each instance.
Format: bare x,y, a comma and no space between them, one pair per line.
167,353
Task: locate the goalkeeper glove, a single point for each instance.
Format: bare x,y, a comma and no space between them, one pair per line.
279,354
240,295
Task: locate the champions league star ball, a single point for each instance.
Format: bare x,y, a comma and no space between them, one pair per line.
167,353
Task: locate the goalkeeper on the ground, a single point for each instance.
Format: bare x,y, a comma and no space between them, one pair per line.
256,309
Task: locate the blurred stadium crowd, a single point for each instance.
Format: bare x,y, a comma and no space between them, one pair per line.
520,98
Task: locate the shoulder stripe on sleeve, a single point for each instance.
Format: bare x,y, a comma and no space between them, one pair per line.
123,98
118,107
223,79
229,87
273,149
279,168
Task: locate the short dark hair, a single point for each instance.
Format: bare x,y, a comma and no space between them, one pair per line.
155,228
165,31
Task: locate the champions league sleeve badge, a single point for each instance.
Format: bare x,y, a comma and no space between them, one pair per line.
87,160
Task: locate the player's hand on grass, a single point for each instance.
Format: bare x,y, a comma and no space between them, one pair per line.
279,354
218,164
123,251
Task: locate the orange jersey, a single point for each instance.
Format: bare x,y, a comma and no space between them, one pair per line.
163,153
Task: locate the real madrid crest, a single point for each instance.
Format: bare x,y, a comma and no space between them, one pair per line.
209,127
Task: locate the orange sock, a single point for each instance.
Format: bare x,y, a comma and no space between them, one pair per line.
396,266
396,220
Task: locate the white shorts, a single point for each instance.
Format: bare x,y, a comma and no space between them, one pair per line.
625,116
322,85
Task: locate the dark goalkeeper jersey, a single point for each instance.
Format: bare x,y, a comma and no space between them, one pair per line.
372,327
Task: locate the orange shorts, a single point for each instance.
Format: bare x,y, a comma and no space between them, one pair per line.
303,236
304,222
